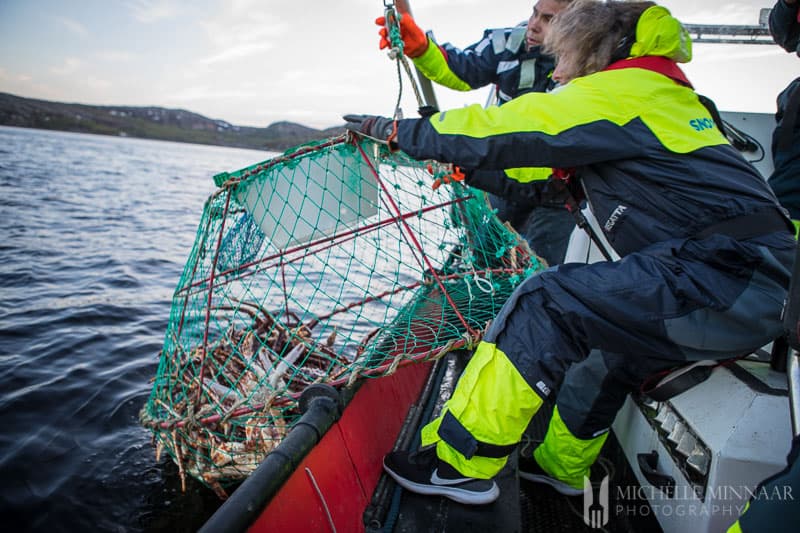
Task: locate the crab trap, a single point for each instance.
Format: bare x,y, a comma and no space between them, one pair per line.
332,263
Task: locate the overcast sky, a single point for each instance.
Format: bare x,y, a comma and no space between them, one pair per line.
254,62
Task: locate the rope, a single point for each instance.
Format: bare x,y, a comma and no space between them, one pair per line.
398,112
396,53
322,499
404,61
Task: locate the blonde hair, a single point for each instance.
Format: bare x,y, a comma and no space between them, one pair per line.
593,33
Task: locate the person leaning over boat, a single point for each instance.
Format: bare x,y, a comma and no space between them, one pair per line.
706,251
785,179
512,59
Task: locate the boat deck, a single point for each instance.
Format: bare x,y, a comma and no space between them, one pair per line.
522,506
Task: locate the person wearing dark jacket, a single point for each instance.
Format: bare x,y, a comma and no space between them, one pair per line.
766,515
706,251
784,24
512,60
785,179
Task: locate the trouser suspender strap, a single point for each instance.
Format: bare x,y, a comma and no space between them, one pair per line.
460,439
709,104
748,226
678,381
580,220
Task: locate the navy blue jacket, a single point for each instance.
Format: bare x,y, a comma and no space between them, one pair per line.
785,179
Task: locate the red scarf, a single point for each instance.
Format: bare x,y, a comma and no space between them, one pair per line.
659,64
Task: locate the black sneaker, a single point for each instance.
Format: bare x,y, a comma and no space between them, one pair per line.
530,470
423,473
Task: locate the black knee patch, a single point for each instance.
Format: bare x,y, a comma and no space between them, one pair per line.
457,436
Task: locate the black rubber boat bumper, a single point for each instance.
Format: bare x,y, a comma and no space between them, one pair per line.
321,409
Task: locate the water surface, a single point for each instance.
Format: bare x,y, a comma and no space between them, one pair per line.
95,234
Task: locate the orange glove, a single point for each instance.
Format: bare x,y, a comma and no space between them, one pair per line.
415,42
456,175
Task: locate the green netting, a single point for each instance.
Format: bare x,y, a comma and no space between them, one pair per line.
332,263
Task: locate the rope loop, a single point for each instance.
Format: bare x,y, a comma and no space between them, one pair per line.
396,54
484,284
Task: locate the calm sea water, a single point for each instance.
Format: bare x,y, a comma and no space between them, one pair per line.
95,232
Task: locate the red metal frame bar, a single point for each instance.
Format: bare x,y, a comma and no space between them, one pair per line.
413,238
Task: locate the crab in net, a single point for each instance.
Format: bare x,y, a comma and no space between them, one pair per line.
232,399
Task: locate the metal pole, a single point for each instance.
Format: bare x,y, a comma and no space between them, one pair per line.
793,377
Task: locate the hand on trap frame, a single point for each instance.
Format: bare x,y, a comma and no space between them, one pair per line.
381,129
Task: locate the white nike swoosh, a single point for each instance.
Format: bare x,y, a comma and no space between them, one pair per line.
436,480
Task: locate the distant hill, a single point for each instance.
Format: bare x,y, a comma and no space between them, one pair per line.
152,123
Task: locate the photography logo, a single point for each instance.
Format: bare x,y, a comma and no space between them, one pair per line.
595,511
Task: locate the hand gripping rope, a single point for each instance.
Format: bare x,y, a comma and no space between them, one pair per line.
396,53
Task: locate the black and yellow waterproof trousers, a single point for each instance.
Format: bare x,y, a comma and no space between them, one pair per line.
612,325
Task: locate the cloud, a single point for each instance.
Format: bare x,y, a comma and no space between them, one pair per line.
68,67
15,77
98,84
305,82
203,93
239,29
433,4
235,52
115,56
149,11
24,84
74,26
449,3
